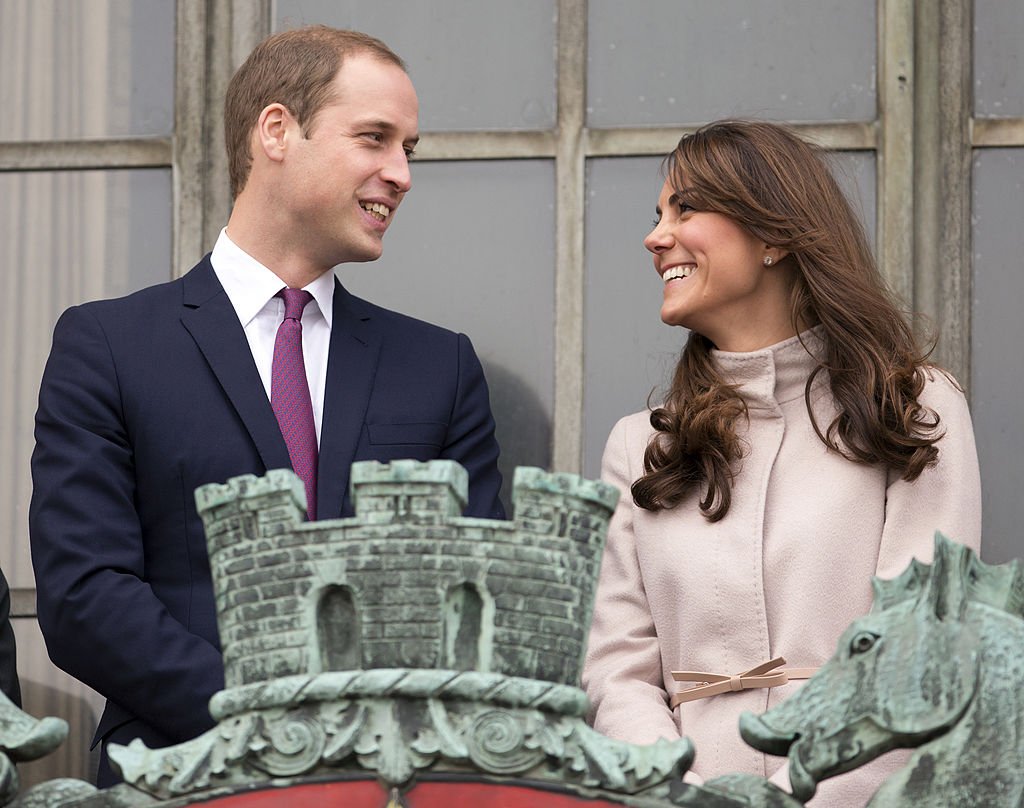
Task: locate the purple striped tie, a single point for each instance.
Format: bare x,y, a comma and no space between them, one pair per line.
289,393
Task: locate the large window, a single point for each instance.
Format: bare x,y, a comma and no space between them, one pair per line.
544,125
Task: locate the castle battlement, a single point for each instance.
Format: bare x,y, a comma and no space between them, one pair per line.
407,582
408,490
249,506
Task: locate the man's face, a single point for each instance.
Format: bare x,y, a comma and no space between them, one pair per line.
344,182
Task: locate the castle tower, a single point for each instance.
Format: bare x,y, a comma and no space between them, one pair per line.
261,572
546,590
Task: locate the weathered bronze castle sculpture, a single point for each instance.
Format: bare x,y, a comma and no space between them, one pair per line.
410,647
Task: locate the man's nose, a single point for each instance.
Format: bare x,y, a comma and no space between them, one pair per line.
396,170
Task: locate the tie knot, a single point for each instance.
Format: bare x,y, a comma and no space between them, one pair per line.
295,301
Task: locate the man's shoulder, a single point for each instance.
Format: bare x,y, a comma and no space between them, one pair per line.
149,300
146,296
395,321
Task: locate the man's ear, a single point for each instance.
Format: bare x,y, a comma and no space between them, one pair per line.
272,131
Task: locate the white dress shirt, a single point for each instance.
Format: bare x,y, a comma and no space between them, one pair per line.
251,287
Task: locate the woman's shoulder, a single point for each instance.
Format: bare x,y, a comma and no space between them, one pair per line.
622,459
632,428
941,390
628,438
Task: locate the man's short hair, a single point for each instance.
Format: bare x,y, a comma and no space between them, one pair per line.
297,69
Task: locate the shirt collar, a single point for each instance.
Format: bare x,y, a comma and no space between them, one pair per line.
250,285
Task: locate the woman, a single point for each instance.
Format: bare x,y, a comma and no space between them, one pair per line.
804,446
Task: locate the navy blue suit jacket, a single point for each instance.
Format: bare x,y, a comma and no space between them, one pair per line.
147,397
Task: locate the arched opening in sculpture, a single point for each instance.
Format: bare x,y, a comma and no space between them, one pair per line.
338,630
463,625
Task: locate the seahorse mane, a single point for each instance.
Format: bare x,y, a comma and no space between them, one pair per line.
998,585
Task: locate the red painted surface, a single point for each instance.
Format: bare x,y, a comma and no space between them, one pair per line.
492,795
429,794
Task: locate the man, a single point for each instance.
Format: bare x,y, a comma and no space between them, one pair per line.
146,398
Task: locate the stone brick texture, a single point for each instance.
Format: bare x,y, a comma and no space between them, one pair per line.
400,561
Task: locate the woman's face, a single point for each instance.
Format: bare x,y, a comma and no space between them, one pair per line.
715,279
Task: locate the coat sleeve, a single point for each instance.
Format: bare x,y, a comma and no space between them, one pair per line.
945,497
470,440
8,648
622,675
100,618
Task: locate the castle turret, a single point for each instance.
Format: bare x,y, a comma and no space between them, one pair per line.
409,491
261,573
544,593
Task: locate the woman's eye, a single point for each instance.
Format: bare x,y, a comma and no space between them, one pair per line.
655,221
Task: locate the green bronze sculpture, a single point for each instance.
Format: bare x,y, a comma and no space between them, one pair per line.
24,738
406,641
410,643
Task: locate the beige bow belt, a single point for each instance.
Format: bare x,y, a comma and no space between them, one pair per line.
713,684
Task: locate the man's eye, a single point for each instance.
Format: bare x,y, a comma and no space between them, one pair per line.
410,153
377,137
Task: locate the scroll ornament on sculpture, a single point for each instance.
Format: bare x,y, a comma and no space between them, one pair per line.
435,724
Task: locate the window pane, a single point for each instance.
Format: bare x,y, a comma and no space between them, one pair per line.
855,173
86,68
997,332
473,249
627,350
998,63
687,61
65,237
476,66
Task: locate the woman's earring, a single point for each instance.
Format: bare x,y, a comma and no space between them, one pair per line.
768,261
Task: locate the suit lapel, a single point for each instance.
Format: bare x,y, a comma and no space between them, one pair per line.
211,320
351,365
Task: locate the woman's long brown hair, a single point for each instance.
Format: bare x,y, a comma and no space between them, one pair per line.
780,189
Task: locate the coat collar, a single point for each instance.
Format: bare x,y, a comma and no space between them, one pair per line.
351,368
776,374
211,320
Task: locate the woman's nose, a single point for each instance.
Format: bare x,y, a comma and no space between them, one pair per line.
657,240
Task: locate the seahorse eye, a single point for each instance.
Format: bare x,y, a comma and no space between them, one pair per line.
863,641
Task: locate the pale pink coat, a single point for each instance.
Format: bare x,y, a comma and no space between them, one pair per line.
783,574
